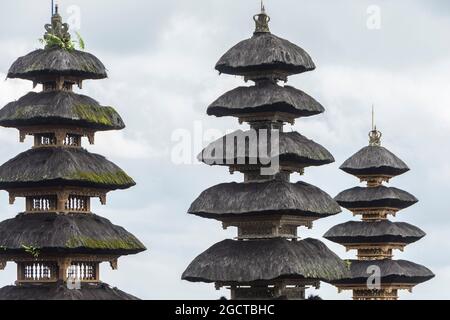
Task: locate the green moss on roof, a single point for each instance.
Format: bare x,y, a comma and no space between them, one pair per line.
128,243
116,178
97,114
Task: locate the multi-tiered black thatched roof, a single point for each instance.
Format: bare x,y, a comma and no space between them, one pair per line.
267,208
376,237
58,237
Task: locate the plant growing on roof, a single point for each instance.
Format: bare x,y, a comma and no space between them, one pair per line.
35,252
58,36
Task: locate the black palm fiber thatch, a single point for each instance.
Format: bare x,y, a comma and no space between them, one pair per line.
50,62
293,149
265,97
69,234
272,197
392,272
265,52
60,291
249,261
374,160
375,197
374,232
60,108
62,167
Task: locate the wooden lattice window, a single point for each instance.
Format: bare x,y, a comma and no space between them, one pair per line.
37,271
41,203
83,271
44,139
78,204
72,140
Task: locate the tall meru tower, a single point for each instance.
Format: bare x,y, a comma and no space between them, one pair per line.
375,275
57,243
267,260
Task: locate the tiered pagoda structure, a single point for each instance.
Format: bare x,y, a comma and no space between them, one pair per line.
57,243
375,275
267,260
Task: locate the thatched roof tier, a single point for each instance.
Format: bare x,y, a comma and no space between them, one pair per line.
62,167
266,97
265,53
264,260
294,150
66,234
60,291
272,197
392,272
375,197
43,63
59,108
374,232
374,160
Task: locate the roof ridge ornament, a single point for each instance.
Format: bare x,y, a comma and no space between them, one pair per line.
57,29
374,135
262,20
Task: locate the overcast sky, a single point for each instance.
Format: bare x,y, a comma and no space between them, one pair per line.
161,55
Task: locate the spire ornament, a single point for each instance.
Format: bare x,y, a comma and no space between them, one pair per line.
374,135
262,21
57,33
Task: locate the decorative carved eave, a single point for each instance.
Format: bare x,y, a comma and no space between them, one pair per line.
60,133
256,170
374,251
374,214
25,257
383,286
280,283
62,196
374,180
265,116
269,226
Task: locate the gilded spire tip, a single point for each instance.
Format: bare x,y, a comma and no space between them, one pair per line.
262,20
374,135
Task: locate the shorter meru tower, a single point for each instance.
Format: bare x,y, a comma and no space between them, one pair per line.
375,275
57,243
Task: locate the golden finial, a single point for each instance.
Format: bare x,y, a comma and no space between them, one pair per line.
57,29
374,135
262,20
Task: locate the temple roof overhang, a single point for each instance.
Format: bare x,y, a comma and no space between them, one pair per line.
59,167
60,108
266,260
375,197
51,233
266,97
355,232
374,160
276,196
265,52
40,64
